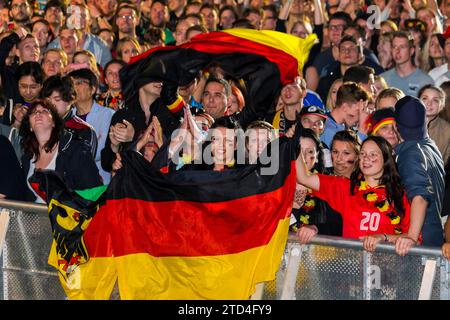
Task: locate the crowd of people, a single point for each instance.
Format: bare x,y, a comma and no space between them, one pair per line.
372,104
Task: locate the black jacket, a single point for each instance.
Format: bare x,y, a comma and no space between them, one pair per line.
12,181
74,163
8,75
134,114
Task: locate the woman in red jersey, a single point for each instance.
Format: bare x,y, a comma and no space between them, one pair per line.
372,202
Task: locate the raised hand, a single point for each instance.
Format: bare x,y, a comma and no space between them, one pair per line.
124,132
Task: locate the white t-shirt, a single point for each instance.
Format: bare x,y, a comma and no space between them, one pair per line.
51,166
435,73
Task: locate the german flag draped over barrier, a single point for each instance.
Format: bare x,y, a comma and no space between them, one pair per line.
70,213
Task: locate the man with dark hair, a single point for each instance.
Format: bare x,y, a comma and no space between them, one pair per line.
254,16
270,19
216,97
336,25
362,75
350,53
350,111
211,16
153,98
89,110
60,91
20,12
126,19
54,13
102,13
180,31
157,19
80,21
421,168
176,8
405,75
292,96
243,24
27,50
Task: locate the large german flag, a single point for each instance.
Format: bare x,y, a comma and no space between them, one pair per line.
196,234
265,60
187,235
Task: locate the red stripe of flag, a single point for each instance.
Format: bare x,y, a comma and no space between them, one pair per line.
184,228
222,42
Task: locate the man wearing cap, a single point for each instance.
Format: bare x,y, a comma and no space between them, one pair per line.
405,75
314,118
382,123
421,168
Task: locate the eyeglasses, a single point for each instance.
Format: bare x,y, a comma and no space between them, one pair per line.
19,6
79,82
25,86
125,17
35,112
336,27
373,156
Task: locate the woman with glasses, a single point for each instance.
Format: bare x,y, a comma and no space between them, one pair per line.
372,203
47,146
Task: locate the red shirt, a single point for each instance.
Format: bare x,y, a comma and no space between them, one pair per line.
364,213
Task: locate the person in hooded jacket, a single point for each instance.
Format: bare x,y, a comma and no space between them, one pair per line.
421,168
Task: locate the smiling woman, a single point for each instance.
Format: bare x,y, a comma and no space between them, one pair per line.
372,203
47,146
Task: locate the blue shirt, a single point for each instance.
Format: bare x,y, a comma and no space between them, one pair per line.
100,118
93,44
331,127
411,84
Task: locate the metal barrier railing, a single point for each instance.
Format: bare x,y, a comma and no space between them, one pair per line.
328,268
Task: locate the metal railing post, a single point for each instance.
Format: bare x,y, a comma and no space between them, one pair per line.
290,277
445,286
426,288
259,291
367,280
4,222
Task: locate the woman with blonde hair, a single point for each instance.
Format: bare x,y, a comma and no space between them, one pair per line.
301,29
331,98
127,48
433,56
388,26
88,58
385,51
